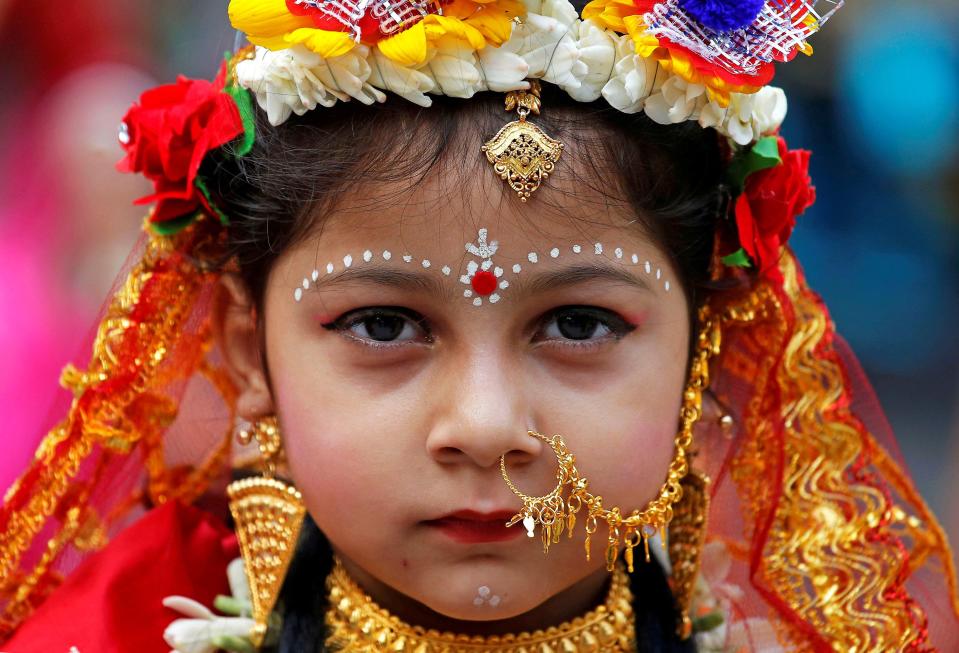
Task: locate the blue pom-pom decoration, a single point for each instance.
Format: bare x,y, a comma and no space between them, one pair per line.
723,15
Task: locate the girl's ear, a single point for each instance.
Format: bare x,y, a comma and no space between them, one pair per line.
234,322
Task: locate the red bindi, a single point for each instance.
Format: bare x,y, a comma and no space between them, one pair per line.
484,282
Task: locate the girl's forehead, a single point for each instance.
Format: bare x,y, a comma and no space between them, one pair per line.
447,220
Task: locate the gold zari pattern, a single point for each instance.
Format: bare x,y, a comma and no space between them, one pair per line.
838,541
357,624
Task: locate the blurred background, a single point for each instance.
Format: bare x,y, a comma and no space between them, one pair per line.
878,104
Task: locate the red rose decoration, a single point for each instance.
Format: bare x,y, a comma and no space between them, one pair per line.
167,135
766,211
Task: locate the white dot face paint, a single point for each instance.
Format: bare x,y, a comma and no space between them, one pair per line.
482,278
485,597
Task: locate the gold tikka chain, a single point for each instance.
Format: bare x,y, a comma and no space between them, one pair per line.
556,514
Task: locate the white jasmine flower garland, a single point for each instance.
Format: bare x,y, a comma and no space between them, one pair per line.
550,43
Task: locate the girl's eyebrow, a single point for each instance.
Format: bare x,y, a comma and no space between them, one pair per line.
576,274
527,283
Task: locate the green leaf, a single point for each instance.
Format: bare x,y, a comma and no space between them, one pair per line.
233,643
231,606
202,187
738,259
707,622
244,103
171,227
761,156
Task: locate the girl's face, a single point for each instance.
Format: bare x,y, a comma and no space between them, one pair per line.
399,382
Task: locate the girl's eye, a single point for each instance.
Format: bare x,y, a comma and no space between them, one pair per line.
381,326
584,324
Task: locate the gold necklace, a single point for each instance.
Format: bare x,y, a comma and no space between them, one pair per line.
357,624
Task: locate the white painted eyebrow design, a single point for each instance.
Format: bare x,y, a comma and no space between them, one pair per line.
484,280
389,275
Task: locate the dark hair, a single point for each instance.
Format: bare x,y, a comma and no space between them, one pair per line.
281,192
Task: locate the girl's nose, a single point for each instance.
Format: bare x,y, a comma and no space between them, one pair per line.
483,414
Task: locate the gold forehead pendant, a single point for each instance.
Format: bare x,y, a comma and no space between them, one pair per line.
521,153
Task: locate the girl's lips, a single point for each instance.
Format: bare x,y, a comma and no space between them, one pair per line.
469,527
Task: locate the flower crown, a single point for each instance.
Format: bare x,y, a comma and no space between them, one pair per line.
708,61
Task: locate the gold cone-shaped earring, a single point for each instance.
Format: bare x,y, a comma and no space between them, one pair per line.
268,514
687,536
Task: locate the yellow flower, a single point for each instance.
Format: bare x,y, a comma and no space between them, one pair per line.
475,23
266,22
493,18
610,13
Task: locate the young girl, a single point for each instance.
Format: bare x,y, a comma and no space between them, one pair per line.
561,309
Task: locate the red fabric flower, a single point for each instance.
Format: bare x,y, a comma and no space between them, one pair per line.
112,602
167,135
766,211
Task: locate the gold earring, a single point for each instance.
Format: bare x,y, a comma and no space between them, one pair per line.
637,527
268,514
687,535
